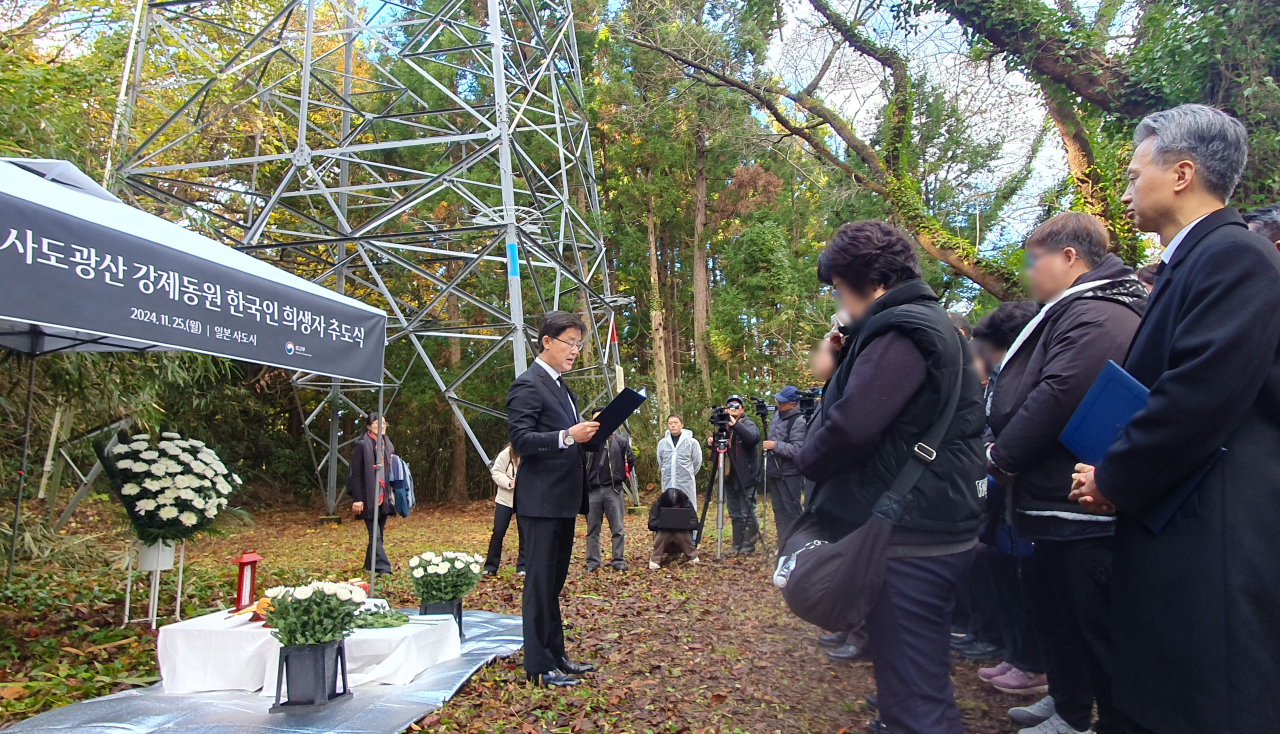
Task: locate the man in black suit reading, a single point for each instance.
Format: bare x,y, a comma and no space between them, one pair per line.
551,491
1195,580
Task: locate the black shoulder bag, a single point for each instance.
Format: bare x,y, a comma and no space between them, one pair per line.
836,585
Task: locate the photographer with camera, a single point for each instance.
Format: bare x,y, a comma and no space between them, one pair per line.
786,437
741,471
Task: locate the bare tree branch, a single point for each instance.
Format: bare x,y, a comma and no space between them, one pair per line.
766,95
812,86
1029,31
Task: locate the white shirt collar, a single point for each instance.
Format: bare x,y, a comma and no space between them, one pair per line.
550,370
1035,320
1169,249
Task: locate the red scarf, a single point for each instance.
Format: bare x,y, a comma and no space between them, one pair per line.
382,481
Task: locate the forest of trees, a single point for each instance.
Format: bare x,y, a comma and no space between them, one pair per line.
730,138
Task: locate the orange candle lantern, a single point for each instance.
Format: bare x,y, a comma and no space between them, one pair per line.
247,581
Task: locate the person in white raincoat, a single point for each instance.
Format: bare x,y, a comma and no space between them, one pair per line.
680,457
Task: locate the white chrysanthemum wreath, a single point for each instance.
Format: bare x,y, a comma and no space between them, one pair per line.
172,488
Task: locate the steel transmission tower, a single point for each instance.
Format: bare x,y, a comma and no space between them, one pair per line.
430,157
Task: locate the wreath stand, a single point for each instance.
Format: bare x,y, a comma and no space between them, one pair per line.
155,558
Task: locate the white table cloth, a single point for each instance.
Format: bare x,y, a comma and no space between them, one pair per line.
220,652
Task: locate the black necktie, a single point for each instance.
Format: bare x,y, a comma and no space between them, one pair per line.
1155,282
564,389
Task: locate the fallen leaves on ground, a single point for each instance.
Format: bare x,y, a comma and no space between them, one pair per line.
706,648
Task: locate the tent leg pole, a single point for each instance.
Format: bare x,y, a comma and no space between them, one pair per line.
155,596
22,473
128,583
182,563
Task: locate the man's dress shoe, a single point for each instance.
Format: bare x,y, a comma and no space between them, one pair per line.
573,668
553,679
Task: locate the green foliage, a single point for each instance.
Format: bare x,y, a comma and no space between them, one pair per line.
381,619
1222,54
313,614
444,577
43,615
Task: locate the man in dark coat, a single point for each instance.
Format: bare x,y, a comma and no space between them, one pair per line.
741,472
786,438
1092,304
607,473
1195,580
363,478
551,491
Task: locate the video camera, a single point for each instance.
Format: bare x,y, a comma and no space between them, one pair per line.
809,402
720,419
763,408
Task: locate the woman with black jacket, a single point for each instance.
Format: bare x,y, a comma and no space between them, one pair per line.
899,360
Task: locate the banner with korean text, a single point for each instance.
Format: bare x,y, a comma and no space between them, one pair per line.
62,271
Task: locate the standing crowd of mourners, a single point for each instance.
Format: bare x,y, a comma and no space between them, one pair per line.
1132,597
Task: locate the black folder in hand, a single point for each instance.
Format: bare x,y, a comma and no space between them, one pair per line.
615,414
1099,421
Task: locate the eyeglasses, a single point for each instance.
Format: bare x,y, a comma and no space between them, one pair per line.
574,346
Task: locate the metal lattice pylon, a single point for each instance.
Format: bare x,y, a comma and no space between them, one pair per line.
430,157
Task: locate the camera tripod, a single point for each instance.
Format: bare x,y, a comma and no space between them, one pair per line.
717,484
716,487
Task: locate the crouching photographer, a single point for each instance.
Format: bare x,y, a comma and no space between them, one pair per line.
896,458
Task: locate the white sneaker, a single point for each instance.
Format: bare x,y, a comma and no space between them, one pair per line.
654,566
1053,725
1034,714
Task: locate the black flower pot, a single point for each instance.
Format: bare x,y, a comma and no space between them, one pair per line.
445,607
312,673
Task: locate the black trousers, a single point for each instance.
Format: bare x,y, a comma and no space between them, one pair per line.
981,603
784,493
383,565
1068,583
548,550
998,576
501,521
910,630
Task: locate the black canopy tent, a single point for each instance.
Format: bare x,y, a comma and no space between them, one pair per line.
82,271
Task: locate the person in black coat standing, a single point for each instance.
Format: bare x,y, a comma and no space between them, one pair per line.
1092,304
1195,579
741,472
362,479
551,491
607,473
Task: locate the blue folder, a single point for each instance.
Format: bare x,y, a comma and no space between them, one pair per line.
1106,409
1098,423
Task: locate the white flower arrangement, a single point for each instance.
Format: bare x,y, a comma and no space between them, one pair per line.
319,612
444,577
173,488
